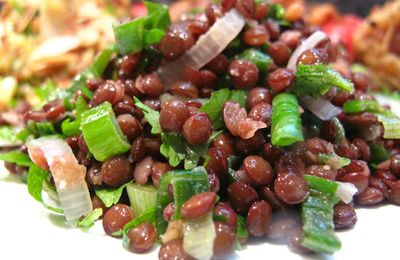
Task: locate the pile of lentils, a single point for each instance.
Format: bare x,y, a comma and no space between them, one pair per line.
271,184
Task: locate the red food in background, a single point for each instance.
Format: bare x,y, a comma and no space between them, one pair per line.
342,30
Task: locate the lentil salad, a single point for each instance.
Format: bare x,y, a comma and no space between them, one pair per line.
267,137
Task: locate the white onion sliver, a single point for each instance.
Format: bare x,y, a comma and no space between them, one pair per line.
198,237
206,48
68,175
346,191
321,107
307,44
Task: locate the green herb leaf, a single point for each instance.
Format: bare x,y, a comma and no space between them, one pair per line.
36,176
175,148
91,218
110,196
16,157
102,133
276,11
213,106
147,216
133,36
73,128
378,153
317,79
152,116
241,229
390,122
286,122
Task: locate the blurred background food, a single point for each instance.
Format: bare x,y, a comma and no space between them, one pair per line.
50,41
45,43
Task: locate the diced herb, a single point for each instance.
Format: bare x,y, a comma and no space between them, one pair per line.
185,183
89,220
102,133
390,122
213,107
137,34
333,160
147,216
276,11
317,216
175,148
16,157
36,176
141,197
317,79
379,153
286,122
152,116
241,228
110,196
72,128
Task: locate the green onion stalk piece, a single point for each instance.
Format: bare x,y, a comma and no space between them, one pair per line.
260,59
141,197
317,213
378,153
333,160
185,183
317,216
102,133
286,122
390,122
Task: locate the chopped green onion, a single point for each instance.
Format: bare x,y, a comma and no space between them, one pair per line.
39,129
390,122
317,79
286,122
378,153
141,197
260,59
90,218
152,116
102,133
185,184
213,106
317,216
137,34
198,237
339,130
333,160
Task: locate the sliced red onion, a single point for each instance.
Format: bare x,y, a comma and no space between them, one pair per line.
69,176
206,48
346,191
321,107
307,44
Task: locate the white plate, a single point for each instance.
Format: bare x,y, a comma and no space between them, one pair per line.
27,230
